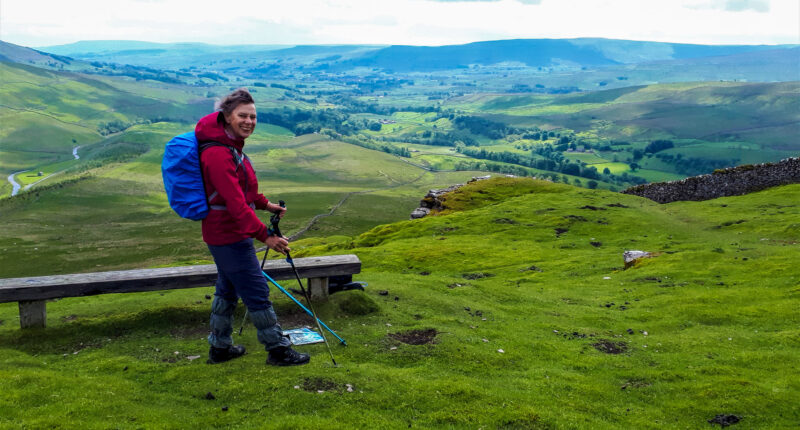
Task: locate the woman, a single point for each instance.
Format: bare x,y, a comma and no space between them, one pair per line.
229,229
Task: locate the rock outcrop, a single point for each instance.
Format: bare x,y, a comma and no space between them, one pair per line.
432,201
733,181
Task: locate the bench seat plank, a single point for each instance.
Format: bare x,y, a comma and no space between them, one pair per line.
167,278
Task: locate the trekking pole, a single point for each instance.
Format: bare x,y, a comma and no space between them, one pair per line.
266,251
319,321
274,220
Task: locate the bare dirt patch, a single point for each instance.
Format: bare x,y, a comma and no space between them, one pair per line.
634,383
504,221
725,420
610,347
190,332
479,275
416,337
316,384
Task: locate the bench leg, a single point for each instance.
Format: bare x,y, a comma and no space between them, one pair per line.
32,313
318,288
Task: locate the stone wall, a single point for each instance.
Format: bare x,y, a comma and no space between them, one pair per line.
733,181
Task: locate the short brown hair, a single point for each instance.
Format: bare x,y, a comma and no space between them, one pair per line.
234,99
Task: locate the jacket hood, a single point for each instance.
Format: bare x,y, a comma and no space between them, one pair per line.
211,128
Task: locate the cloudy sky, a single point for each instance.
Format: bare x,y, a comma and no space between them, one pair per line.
412,22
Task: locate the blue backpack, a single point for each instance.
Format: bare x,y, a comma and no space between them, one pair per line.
183,176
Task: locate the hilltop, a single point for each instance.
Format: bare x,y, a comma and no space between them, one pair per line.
511,310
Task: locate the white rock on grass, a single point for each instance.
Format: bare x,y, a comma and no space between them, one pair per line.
630,257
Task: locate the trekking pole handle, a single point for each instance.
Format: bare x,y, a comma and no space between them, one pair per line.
275,219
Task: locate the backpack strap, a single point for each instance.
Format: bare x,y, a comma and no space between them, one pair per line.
239,160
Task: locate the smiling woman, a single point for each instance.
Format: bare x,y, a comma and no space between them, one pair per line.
229,230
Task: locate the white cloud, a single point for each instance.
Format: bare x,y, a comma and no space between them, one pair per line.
733,5
417,22
739,5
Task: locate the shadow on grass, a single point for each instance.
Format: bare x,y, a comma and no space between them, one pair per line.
65,337
73,333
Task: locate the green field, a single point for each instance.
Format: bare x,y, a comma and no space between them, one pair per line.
518,295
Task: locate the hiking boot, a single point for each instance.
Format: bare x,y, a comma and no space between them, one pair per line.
221,355
285,356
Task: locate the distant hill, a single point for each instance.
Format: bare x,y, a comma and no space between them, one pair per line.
543,53
761,113
180,55
591,62
20,54
105,47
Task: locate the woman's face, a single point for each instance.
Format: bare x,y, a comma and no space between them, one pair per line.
242,121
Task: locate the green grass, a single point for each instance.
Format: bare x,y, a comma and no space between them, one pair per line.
718,305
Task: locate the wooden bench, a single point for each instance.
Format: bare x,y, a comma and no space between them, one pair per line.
32,293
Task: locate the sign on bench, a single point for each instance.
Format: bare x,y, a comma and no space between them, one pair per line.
32,293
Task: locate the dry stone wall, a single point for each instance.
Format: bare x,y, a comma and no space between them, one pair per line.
733,181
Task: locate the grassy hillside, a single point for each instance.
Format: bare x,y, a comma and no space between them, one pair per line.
709,124
45,114
516,311
55,226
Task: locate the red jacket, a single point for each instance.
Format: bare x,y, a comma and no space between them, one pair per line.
238,221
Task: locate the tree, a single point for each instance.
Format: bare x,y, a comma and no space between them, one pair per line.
571,169
592,184
658,145
634,166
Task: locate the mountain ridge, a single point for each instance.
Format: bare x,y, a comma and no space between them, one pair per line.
532,52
